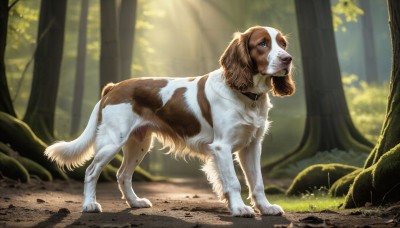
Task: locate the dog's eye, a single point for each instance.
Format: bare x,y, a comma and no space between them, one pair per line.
284,44
263,44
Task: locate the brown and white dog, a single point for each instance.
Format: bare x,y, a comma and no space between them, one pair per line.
210,117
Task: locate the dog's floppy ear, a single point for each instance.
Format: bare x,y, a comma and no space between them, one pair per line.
237,64
283,86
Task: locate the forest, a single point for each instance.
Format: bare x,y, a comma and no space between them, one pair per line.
333,146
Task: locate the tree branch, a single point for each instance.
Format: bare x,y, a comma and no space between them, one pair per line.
12,4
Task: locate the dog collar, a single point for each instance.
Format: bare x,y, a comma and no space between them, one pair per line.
252,96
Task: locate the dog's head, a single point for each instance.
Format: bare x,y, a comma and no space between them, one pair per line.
258,51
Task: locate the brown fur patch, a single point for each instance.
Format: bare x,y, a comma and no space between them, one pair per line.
172,119
202,100
176,115
257,53
244,57
237,64
107,88
283,86
143,93
281,40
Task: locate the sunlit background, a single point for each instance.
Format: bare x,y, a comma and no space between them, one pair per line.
186,38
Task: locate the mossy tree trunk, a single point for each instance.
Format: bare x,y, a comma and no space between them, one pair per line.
46,71
5,98
328,122
379,182
390,134
21,139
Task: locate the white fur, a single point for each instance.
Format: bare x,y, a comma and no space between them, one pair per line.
77,152
239,125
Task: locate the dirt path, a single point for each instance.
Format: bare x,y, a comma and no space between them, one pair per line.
183,203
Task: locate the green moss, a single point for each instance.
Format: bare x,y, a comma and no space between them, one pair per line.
34,168
361,191
342,185
317,176
386,176
380,183
11,168
6,149
21,139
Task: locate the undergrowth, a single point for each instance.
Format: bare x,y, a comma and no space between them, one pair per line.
367,104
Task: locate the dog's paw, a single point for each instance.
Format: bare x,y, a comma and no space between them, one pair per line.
271,209
92,208
242,211
139,203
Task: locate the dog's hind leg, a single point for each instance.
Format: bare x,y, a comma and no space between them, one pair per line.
112,133
134,151
103,156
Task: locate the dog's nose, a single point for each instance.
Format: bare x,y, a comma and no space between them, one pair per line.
285,59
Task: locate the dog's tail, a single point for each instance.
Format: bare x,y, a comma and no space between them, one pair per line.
75,153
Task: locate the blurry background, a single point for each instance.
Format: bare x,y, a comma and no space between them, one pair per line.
186,38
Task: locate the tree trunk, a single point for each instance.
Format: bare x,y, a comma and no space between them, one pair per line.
390,134
20,138
379,182
5,99
371,68
109,53
80,69
328,122
46,72
127,19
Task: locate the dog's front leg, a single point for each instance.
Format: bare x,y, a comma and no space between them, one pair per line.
221,173
249,159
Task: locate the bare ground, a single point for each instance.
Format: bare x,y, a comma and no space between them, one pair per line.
181,203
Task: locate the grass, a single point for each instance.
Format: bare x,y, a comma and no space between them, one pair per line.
307,203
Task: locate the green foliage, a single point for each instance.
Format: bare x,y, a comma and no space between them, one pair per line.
318,176
21,16
367,104
347,9
21,42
